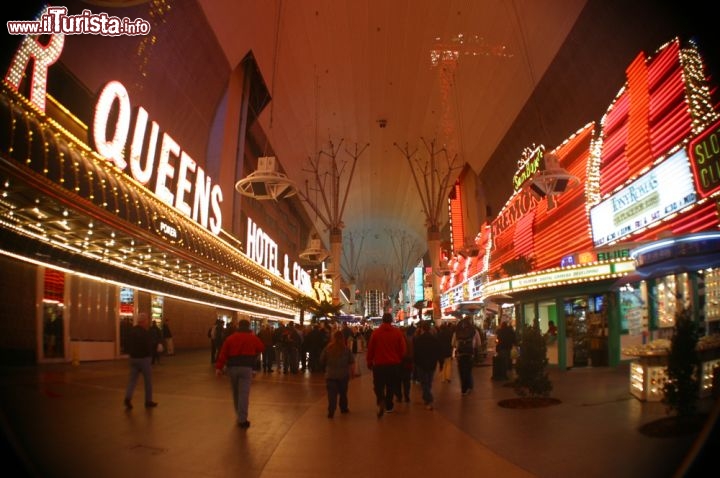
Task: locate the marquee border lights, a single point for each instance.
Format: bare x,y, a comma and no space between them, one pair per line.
578,274
57,162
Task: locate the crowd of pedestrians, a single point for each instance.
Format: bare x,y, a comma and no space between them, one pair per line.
397,356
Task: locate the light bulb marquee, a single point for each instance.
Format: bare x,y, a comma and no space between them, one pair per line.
154,216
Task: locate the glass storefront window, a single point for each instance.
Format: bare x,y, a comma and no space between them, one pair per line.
156,308
633,309
673,293
712,299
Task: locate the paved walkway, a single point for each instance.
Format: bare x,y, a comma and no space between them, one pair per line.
68,421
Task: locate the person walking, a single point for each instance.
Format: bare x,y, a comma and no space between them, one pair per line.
315,343
215,334
338,361
406,371
238,355
506,340
385,352
290,341
140,347
427,356
444,335
156,334
268,357
167,335
466,340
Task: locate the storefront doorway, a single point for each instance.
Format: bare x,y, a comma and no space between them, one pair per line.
587,327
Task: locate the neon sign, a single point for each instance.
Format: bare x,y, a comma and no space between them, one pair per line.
530,163
263,250
179,181
704,154
43,56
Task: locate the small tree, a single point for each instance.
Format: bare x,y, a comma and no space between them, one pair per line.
532,377
682,389
304,303
327,309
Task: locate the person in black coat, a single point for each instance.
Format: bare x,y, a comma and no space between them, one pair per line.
444,335
156,334
426,355
140,347
506,340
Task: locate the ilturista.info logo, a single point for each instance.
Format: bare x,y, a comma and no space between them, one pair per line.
55,20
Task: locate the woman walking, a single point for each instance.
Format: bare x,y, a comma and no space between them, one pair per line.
338,361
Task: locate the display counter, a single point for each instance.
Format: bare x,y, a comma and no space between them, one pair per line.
648,369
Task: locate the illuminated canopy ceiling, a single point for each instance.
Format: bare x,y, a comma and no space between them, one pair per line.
390,73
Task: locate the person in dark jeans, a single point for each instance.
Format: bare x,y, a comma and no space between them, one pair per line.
140,346
337,360
216,335
238,355
465,340
385,352
156,334
505,342
426,356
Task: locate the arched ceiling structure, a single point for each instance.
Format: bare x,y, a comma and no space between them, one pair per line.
393,75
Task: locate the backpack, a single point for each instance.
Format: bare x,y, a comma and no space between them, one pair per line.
464,336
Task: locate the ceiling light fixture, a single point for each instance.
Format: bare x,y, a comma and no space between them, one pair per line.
315,252
266,182
552,180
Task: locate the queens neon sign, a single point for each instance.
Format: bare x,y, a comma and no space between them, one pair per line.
172,175
178,180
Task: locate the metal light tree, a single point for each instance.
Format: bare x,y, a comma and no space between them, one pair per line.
350,265
333,198
407,253
433,176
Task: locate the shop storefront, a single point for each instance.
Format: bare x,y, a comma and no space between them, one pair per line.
673,274
566,245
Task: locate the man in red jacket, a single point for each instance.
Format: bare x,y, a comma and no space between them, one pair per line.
384,357
239,351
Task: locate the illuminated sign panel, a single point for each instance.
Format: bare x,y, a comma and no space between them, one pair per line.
495,288
662,191
586,257
168,230
561,276
705,160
